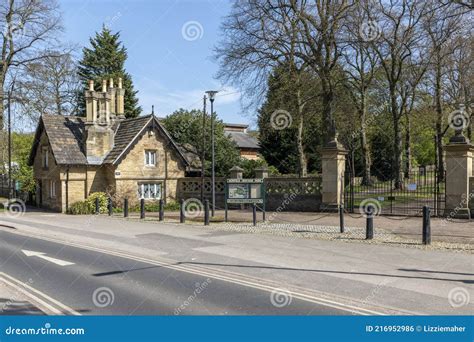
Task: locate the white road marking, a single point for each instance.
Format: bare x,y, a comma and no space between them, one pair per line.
47,258
212,274
45,303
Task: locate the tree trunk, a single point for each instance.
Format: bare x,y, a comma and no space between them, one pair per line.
366,177
439,124
328,120
397,142
407,147
299,139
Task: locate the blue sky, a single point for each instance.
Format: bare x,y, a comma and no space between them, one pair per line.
169,43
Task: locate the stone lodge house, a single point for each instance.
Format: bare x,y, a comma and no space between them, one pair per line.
73,157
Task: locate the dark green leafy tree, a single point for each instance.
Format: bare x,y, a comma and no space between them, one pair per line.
289,123
186,128
105,59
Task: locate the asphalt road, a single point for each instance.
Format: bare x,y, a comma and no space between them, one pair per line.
94,283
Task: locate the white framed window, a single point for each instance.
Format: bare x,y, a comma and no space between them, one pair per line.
45,157
149,190
52,189
150,158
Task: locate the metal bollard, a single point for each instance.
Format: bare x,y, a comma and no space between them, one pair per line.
426,226
182,216
125,207
142,208
254,212
369,234
206,212
341,218
109,206
161,210
97,208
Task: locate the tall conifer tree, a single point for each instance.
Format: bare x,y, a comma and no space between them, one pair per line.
105,59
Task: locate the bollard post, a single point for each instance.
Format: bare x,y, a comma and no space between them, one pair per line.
97,208
341,218
142,208
369,234
109,206
182,216
161,211
426,226
125,207
206,212
254,212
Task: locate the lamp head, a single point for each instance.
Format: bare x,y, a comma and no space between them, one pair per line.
212,94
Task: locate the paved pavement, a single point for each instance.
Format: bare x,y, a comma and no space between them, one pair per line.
244,268
405,227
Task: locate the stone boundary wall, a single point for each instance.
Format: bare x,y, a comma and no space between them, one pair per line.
282,193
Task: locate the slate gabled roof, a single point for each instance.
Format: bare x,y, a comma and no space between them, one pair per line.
66,136
244,140
130,130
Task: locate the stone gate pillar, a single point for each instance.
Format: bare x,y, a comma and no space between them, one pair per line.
236,172
261,172
333,167
459,170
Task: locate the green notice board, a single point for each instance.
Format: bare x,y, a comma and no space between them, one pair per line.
245,190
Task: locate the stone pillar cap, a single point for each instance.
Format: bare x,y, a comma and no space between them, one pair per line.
236,168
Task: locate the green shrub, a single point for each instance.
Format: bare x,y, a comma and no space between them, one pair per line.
79,208
87,206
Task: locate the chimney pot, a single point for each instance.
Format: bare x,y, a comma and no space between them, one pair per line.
104,86
111,83
120,83
91,85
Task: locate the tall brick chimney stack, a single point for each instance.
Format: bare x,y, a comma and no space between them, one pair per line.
91,103
120,94
99,132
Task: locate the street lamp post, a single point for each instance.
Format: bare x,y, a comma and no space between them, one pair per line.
203,152
212,95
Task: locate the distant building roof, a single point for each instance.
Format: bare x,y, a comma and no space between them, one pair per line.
243,140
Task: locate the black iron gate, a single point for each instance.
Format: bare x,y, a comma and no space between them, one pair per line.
419,188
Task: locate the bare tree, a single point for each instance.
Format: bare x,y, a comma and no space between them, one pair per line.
459,80
320,31
400,56
360,62
49,86
261,36
28,29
